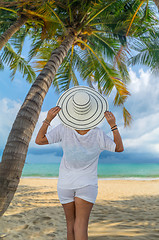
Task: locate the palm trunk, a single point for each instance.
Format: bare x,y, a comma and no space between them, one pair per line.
15,151
11,30
157,3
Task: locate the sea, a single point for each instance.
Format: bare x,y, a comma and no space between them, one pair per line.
107,171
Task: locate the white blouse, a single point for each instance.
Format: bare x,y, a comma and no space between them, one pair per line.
78,167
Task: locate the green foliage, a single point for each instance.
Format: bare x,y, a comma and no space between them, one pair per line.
15,61
106,34
147,53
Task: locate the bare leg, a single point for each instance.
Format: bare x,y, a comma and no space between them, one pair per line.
69,209
83,210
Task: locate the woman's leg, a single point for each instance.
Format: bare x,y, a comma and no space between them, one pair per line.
69,209
83,210
66,197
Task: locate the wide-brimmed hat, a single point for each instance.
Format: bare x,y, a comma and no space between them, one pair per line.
82,108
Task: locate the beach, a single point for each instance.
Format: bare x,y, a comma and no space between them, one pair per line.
124,209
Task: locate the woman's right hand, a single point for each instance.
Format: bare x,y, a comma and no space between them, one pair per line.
52,113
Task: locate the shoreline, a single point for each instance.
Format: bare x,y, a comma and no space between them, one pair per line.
105,179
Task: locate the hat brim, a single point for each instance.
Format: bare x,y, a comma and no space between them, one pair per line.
82,122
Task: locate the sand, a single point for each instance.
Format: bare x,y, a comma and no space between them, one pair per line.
124,210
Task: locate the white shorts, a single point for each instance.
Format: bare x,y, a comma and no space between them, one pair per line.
88,193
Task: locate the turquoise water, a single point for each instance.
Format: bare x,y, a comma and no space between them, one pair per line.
122,170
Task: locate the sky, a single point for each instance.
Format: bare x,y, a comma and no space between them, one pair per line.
141,139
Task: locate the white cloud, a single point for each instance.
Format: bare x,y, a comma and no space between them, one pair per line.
138,83
143,104
53,124
144,99
148,142
9,110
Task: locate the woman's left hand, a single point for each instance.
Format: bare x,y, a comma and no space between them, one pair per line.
110,118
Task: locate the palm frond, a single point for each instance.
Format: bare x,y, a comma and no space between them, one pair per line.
127,117
41,52
16,62
56,15
70,11
17,41
1,65
142,2
35,46
98,13
104,44
119,99
8,10
147,54
65,77
110,72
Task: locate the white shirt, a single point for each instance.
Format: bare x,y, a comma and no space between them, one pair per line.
78,167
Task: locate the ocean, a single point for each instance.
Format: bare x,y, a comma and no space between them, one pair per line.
105,170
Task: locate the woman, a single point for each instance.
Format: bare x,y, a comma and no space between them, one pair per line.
80,109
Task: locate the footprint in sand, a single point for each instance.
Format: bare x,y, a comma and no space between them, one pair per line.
34,228
51,235
25,226
38,220
18,215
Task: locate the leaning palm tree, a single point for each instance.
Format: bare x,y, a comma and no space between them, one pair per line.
17,20
89,36
20,13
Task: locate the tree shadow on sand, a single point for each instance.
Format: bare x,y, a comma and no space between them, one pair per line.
132,219
36,215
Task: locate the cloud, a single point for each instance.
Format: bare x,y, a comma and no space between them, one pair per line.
141,82
9,110
144,99
143,104
54,123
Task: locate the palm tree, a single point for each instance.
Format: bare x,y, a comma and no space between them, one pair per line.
24,11
90,36
11,30
17,19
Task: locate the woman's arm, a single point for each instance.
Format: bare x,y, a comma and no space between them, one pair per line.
41,138
117,138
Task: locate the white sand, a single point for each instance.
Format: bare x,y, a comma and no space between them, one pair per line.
124,210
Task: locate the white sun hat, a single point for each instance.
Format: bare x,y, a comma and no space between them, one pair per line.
82,108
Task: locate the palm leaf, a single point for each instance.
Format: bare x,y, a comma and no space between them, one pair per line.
41,52
17,41
56,15
16,62
98,13
127,117
132,20
9,10
35,46
1,65
120,86
66,74
147,54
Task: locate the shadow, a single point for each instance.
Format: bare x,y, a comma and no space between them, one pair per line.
133,219
39,215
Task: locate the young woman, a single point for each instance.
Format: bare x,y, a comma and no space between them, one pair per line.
80,109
